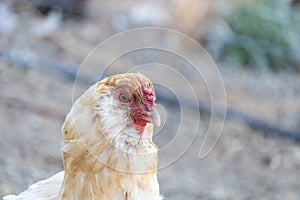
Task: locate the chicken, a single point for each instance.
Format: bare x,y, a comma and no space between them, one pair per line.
107,146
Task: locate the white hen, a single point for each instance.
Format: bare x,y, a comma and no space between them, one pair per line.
107,146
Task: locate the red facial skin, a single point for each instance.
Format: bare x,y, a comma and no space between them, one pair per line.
139,113
138,109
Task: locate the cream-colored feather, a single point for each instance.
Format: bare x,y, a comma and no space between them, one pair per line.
104,157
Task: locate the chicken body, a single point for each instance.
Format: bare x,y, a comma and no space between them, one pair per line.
107,146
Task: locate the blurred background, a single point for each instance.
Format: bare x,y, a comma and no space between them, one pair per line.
255,44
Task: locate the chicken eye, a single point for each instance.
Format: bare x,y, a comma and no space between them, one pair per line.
123,98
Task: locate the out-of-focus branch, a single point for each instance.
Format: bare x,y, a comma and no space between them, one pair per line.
255,123
252,122
22,103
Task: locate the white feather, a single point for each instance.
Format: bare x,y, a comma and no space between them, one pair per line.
43,190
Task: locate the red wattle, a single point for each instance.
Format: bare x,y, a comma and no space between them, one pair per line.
140,122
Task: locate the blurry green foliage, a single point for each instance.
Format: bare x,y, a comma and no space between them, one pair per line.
263,35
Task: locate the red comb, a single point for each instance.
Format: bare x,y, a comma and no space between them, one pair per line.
149,97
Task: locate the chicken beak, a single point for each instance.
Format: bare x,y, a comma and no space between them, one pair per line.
154,117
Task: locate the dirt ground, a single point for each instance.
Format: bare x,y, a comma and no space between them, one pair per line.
245,164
